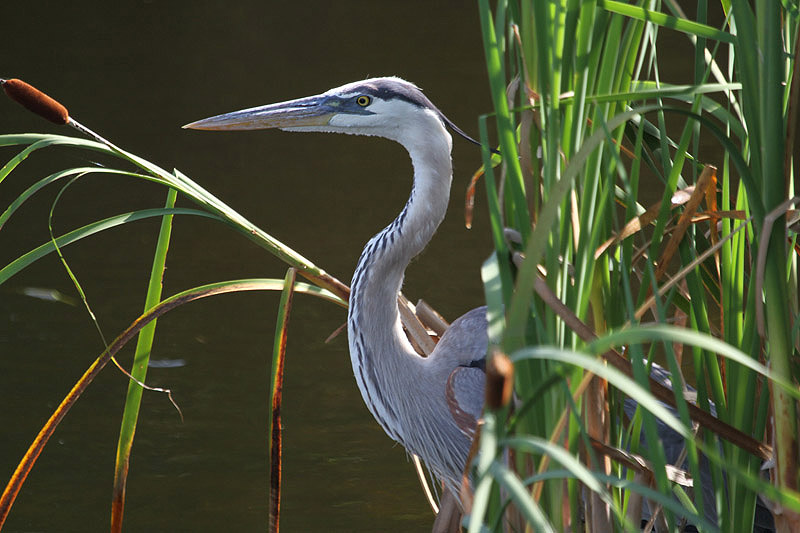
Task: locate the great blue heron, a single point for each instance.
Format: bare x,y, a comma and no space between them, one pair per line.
431,404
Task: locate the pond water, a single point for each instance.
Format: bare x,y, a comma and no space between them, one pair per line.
135,72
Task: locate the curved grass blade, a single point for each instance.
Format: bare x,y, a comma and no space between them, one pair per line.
35,449
645,90
609,373
141,359
668,21
659,498
65,264
33,189
629,485
483,488
274,430
672,334
37,253
788,498
661,392
193,192
557,453
37,142
516,490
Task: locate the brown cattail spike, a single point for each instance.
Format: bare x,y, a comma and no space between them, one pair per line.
499,380
36,101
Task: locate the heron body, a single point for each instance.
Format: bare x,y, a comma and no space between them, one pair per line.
431,404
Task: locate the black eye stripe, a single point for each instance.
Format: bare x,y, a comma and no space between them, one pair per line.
388,92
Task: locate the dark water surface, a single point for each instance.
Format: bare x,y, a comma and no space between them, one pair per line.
135,72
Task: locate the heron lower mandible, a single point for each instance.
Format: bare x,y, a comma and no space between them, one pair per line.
431,404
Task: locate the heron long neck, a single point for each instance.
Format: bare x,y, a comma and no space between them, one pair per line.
386,367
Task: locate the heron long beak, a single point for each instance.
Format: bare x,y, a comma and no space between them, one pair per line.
311,111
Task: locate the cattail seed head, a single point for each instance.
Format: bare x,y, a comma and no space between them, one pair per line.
35,100
499,380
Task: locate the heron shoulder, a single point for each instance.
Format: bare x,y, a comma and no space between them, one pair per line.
465,341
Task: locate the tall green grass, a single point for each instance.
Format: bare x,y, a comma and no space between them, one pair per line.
588,127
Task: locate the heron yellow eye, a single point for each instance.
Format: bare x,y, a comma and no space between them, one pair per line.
363,100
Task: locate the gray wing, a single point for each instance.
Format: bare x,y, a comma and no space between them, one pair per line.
463,348
464,393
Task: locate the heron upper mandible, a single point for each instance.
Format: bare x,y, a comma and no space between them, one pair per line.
431,404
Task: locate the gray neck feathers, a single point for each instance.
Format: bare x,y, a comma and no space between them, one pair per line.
386,367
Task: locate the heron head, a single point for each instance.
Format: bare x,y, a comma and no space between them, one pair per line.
385,107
